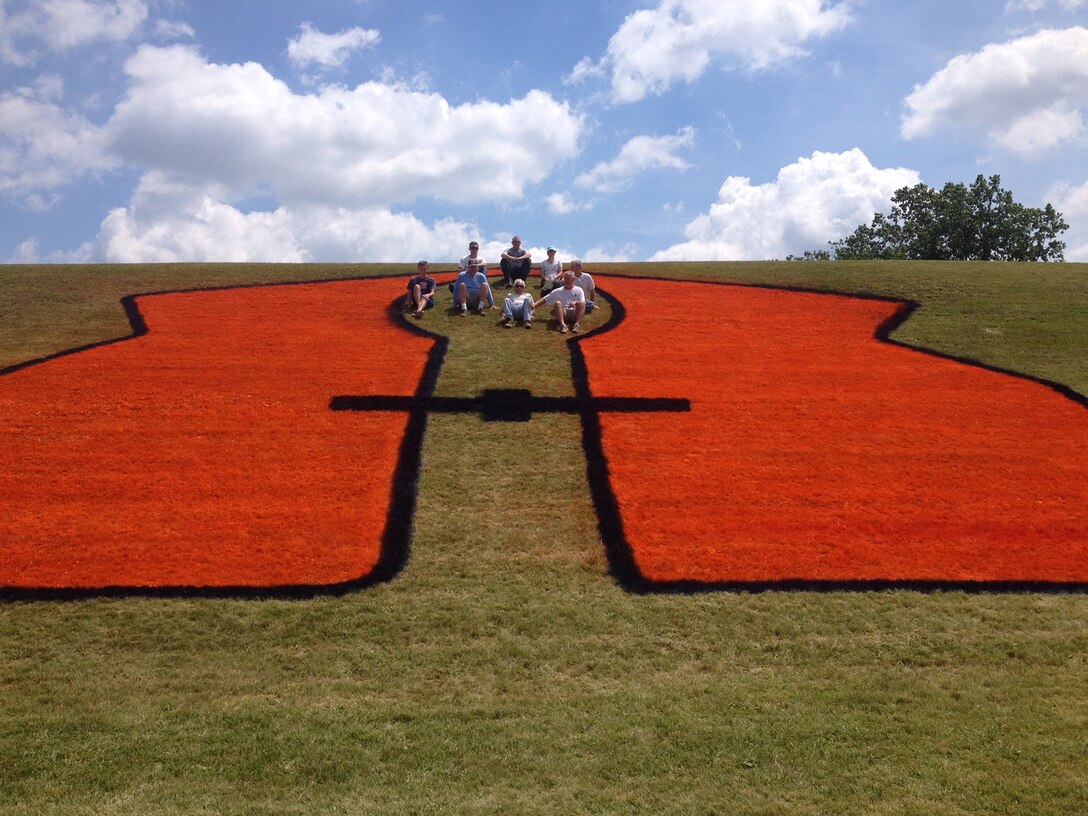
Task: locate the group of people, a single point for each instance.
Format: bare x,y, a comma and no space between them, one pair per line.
571,294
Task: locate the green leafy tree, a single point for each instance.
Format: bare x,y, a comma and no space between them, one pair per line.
811,255
958,223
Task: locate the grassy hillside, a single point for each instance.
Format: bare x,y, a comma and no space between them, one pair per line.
504,672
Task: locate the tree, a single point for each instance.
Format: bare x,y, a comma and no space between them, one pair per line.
958,223
811,255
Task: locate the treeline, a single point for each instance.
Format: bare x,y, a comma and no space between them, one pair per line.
980,222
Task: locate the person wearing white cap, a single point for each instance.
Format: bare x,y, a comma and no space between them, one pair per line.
551,272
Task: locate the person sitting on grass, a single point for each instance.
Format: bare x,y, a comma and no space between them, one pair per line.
472,259
584,281
518,306
471,289
473,262
515,262
551,272
421,289
568,304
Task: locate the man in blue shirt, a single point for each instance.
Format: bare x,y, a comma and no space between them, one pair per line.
471,287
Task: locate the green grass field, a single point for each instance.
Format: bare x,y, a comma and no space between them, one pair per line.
504,672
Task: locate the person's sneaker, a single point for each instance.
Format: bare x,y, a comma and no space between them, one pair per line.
508,322
464,311
563,329
528,324
577,327
480,310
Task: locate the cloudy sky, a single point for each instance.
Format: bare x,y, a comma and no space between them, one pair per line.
390,130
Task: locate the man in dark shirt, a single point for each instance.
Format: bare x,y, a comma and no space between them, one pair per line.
515,262
421,290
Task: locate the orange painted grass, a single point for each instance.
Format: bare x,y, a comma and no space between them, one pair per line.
815,452
204,453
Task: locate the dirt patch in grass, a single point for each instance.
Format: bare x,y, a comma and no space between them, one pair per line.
815,452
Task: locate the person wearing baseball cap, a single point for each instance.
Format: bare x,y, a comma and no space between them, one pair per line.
471,287
551,272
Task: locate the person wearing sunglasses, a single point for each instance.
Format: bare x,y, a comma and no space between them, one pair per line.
518,306
471,287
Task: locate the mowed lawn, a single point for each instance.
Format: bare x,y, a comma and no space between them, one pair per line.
503,671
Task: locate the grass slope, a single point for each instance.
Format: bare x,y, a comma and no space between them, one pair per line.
503,671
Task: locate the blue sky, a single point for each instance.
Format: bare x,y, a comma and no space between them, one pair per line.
373,130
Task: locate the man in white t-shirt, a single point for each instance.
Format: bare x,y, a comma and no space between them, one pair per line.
473,260
568,304
584,281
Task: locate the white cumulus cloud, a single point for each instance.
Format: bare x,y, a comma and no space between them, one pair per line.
636,156
239,127
312,47
679,39
1072,202
43,146
1026,95
565,203
815,200
585,69
173,30
1040,5
609,254
238,166
1043,130
59,25
171,222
